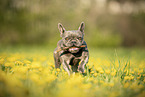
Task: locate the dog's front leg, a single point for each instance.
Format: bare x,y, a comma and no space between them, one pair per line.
83,62
66,67
56,59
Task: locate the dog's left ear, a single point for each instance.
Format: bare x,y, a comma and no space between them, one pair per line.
81,27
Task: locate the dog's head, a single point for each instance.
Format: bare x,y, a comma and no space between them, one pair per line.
73,38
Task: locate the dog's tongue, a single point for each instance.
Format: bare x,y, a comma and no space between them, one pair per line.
74,49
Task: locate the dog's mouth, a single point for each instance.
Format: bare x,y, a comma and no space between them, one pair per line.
74,49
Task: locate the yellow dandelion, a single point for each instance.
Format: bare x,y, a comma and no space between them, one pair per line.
126,77
2,61
113,73
101,71
27,62
19,63
138,77
92,72
132,72
95,74
53,66
131,77
40,69
107,71
57,69
9,64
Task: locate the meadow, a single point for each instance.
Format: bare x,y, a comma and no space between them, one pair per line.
30,72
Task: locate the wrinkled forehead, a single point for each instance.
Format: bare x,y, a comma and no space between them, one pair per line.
74,33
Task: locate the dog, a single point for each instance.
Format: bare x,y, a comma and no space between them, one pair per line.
71,50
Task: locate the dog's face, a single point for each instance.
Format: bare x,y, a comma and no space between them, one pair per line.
72,38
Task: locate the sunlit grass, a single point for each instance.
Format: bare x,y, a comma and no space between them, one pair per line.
109,73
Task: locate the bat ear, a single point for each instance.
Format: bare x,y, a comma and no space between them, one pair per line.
81,27
61,29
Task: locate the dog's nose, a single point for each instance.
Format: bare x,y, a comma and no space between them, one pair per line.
74,42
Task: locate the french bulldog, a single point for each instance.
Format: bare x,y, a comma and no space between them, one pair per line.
71,50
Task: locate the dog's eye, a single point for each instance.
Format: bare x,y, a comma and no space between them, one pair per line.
80,38
66,38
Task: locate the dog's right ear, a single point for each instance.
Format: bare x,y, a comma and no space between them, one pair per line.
61,29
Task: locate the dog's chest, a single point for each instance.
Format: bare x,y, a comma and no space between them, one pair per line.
68,56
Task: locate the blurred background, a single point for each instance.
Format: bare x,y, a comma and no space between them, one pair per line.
108,23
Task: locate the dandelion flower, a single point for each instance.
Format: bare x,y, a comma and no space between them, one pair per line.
107,71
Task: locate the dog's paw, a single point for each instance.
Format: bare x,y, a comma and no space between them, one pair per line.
81,69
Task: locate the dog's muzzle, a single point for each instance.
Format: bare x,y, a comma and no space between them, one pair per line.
74,49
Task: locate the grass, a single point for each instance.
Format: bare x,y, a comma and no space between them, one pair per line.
30,72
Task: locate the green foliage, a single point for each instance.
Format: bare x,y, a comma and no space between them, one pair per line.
35,22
